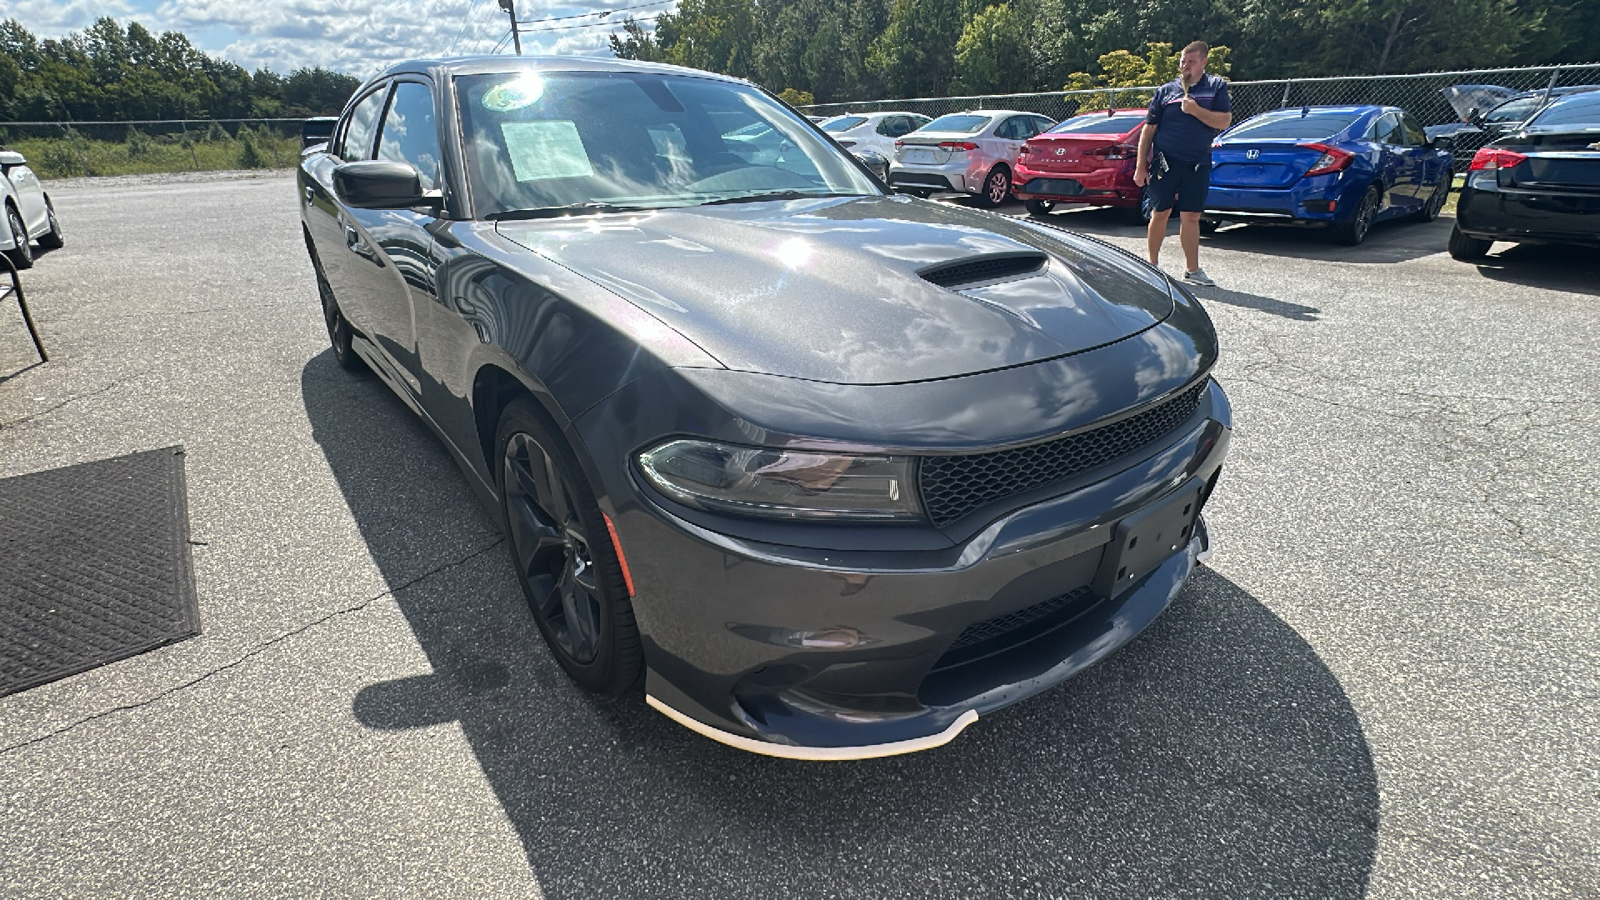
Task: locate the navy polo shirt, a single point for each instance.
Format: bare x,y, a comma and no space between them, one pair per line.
1179,135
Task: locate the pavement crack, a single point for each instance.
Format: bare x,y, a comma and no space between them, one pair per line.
73,399
257,650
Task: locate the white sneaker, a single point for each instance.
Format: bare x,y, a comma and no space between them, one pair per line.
1198,276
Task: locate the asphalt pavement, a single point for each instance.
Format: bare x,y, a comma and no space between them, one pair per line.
1384,685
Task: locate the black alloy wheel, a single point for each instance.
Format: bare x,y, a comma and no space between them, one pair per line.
995,188
53,240
1039,207
1465,247
22,256
340,334
1430,210
563,553
1354,231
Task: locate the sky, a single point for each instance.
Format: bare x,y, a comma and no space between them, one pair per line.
358,37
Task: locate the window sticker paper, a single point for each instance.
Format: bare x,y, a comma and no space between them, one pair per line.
547,149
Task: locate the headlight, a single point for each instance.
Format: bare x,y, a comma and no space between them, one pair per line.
782,484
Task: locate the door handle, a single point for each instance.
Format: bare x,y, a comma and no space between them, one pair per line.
352,240
311,195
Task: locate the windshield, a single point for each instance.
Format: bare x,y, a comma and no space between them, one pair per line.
1310,127
957,124
1098,124
843,123
599,141
1512,112
1581,111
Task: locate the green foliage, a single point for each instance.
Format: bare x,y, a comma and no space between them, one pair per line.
797,98
58,158
138,142
1122,69
216,134
991,55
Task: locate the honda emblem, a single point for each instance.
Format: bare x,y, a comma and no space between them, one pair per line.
1252,154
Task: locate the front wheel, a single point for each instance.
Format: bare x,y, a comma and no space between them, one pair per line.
566,564
1354,230
53,240
1463,246
1430,210
22,256
995,188
1039,207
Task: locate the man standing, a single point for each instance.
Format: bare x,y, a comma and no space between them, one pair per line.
1185,115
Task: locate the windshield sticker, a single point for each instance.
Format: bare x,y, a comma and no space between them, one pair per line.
541,150
523,92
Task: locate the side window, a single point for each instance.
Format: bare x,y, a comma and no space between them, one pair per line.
1387,131
1040,126
892,126
1415,136
409,135
357,140
1008,129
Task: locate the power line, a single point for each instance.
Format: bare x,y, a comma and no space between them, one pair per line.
602,13
466,21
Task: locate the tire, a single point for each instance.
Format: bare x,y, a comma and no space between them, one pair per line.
1209,226
1430,210
1355,229
53,240
1462,246
1136,215
562,550
1039,207
22,256
996,187
340,333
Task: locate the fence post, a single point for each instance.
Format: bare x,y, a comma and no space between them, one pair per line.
1284,103
83,158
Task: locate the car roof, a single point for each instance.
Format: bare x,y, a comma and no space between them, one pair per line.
1357,109
476,65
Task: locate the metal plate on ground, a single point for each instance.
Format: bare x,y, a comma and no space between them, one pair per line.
94,566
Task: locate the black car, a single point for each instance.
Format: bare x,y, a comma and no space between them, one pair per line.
1540,185
832,471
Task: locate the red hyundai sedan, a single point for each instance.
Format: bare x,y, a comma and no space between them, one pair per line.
1086,159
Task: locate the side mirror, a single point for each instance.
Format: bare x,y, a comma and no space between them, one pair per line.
382,184
1442,141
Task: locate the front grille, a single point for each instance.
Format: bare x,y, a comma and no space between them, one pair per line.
953,486
1000,626
953,275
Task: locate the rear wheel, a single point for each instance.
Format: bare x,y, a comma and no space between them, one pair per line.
1462,246
565,560
1209,226
53,240
1354,230
1430,210
22,256
995,188
1039,207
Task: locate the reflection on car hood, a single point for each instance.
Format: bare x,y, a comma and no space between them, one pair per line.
834,289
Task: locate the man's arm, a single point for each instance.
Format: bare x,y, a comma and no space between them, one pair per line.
1219,119
1141,165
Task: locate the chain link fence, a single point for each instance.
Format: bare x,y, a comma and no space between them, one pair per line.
65,149
1421,95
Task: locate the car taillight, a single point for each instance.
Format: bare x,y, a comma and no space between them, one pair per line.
1115,151
957,146
1332,159
1027,150
1494,158
899,144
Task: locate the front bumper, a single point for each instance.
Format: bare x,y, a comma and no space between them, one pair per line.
835,654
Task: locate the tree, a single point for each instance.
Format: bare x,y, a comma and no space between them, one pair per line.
992,53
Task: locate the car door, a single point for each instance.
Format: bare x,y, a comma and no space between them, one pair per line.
342,260
398,283
1008,138
1430,161
1391,164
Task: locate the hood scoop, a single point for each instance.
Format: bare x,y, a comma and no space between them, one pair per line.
985,269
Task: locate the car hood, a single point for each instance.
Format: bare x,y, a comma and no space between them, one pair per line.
861,290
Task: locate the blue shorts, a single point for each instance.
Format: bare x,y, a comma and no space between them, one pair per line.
1185,186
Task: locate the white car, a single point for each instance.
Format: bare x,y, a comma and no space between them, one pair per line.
29,214
971,152
875,131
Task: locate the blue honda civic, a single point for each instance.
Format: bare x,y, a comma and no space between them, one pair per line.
1344,168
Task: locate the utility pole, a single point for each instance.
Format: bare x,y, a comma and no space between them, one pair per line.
510,6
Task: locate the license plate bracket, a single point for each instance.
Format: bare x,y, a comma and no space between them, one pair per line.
1147,538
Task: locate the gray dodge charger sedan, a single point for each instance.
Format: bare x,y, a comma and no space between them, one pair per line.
824,472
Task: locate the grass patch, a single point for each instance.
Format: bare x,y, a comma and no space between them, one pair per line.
141,154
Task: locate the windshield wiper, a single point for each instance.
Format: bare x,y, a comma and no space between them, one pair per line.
570,209
777,195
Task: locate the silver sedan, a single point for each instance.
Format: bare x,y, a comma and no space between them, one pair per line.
969,152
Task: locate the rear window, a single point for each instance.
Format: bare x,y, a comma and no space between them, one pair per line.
1098,124
843,123
1309,127
957,124
1582,110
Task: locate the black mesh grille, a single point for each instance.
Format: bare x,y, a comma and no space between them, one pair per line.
953,486
999,626
984,269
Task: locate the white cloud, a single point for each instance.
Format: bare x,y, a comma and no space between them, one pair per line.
358,37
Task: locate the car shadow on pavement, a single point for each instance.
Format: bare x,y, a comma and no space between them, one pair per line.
1214,756
1556,267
